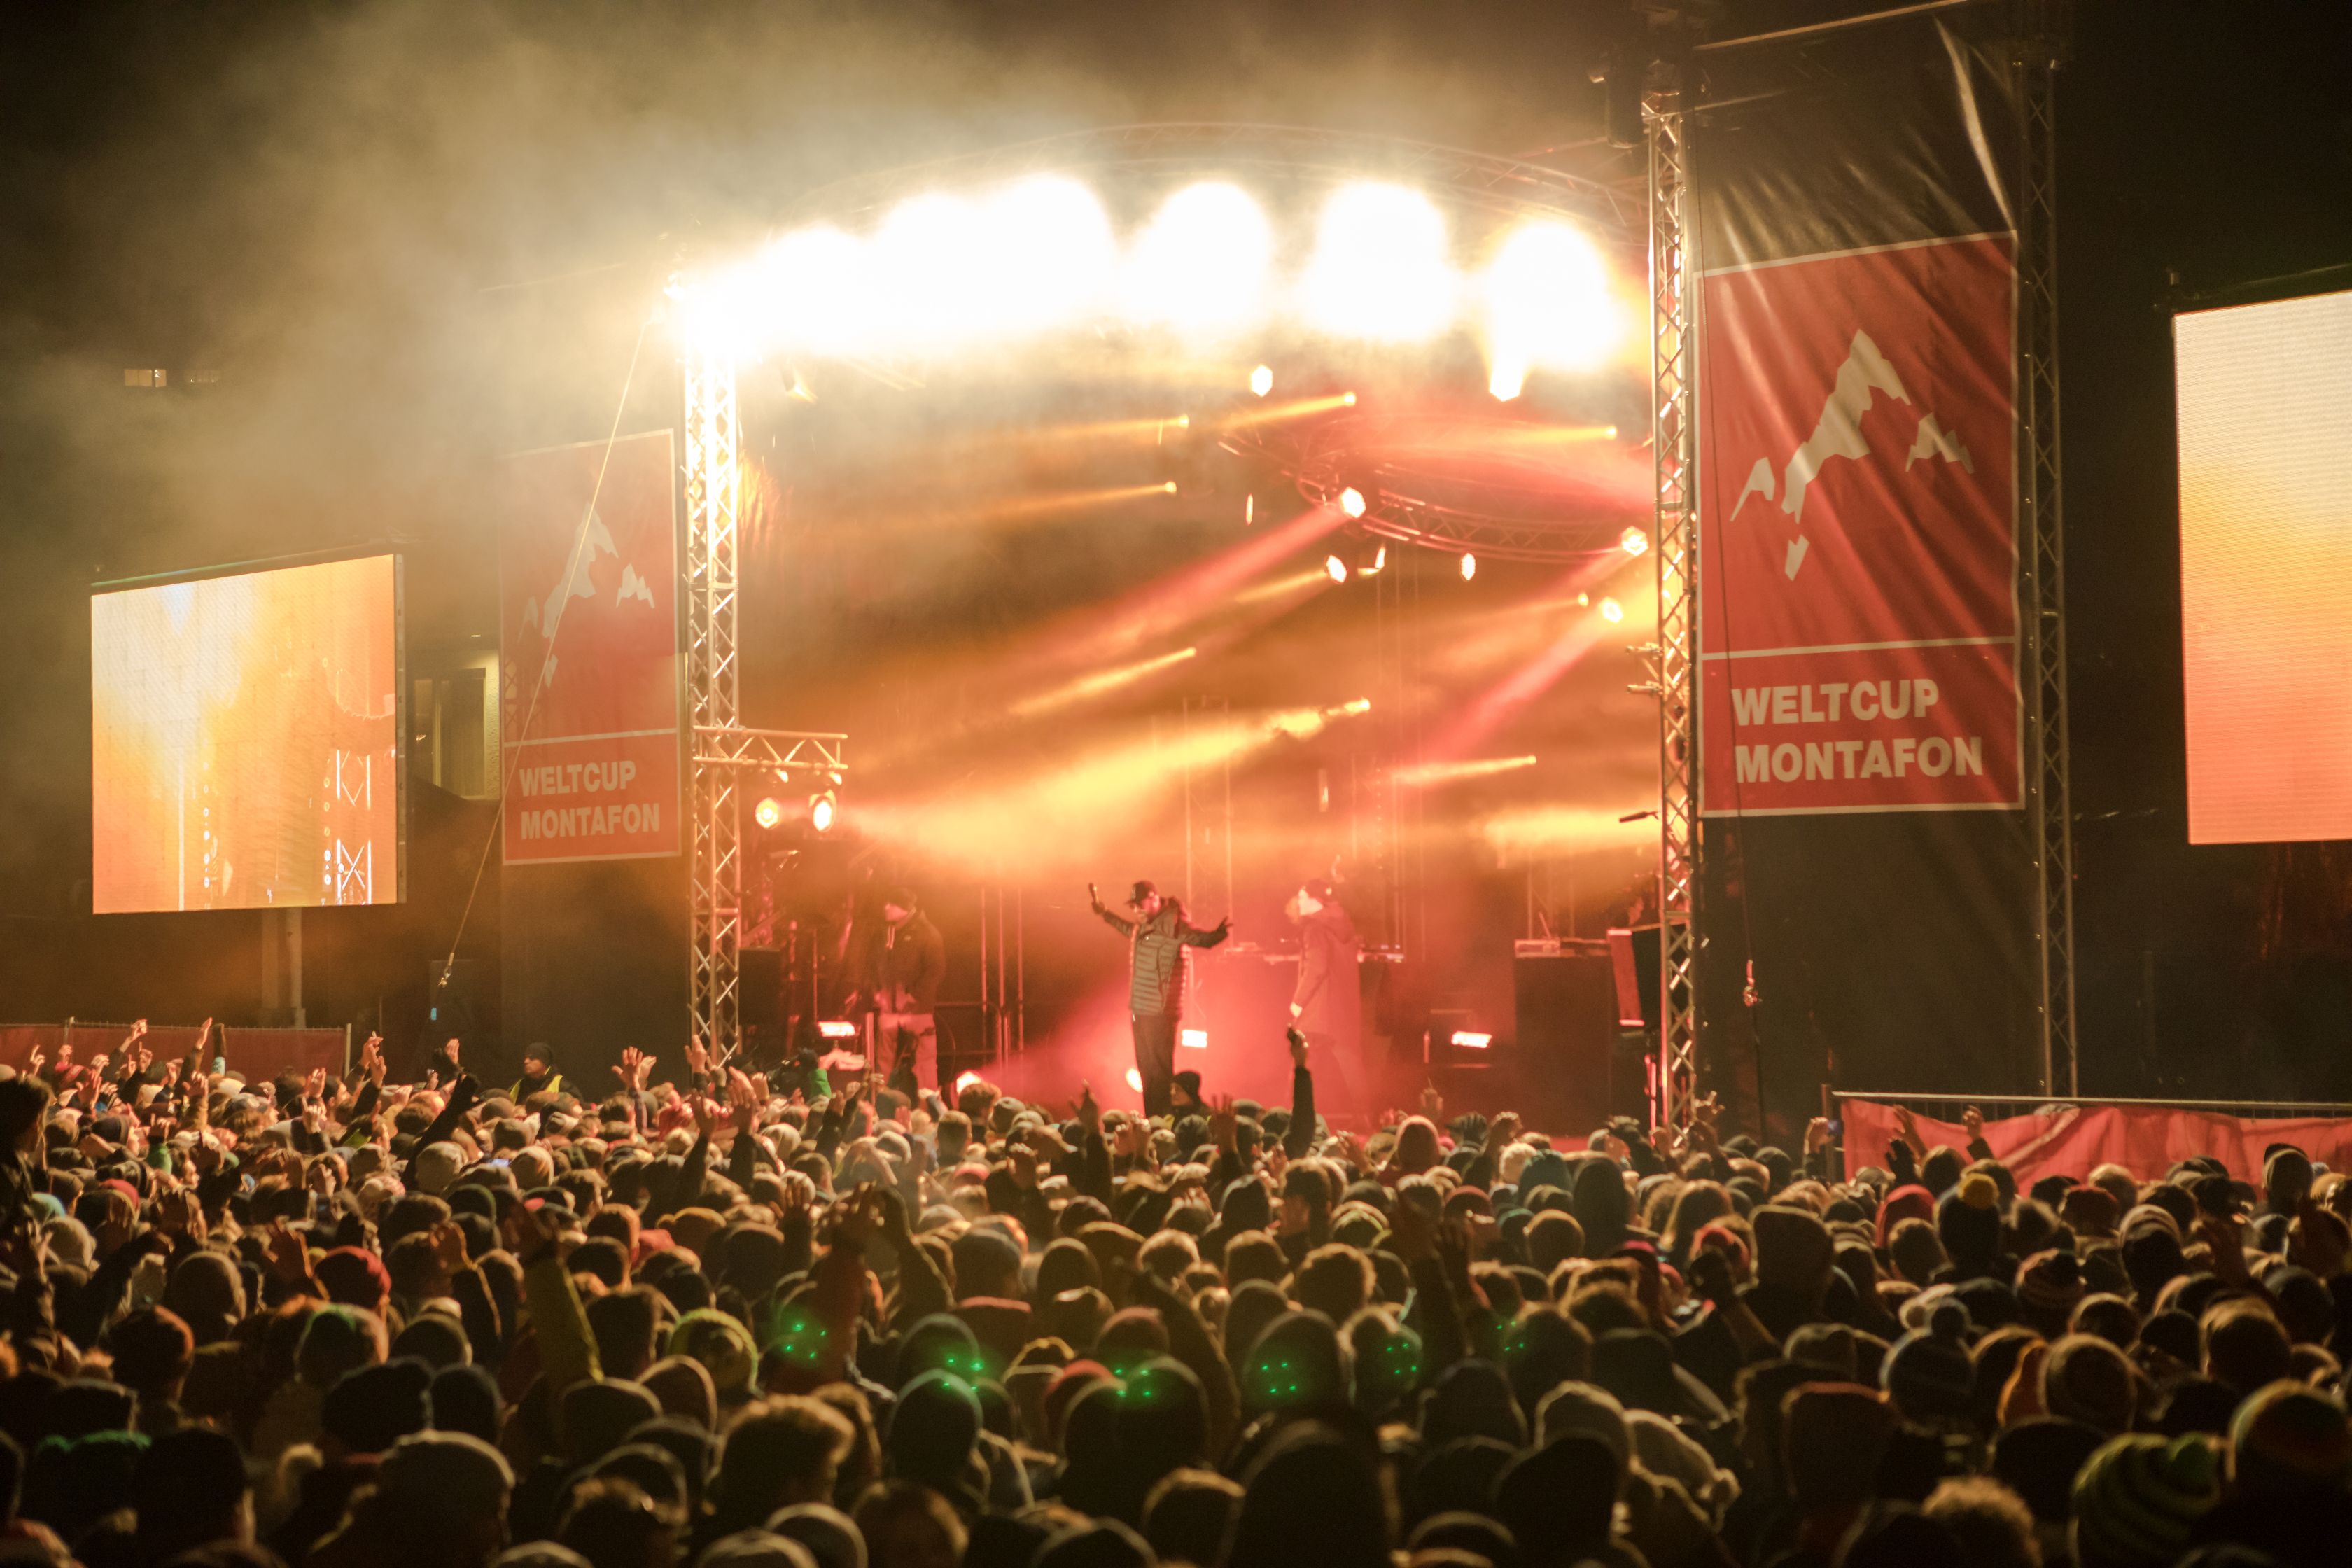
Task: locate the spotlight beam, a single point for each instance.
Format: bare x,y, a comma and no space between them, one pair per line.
1088,686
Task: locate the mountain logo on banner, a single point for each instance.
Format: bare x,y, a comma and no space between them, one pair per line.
545,617
1865,375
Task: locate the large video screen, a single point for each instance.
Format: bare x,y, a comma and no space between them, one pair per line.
2265,402
245,739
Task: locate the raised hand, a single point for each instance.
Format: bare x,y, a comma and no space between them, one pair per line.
1224,1123
1433,1104
1973,1120
1087,1112
1298,1045
1817,1135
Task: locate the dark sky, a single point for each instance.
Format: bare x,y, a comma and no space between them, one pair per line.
328,205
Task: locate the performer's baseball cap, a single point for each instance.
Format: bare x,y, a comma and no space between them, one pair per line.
1142,891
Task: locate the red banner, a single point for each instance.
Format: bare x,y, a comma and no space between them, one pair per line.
590,700
2073,1140
1858,526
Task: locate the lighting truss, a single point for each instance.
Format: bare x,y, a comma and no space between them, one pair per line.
715,915
2041,48
1673,402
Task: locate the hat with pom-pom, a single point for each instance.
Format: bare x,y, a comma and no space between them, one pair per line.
1928,1373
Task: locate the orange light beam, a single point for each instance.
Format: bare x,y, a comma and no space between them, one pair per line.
1088,686
1296,408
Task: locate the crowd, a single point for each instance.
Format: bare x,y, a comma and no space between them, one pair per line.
679,1320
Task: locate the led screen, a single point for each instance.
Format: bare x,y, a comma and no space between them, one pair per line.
2265,404
245,739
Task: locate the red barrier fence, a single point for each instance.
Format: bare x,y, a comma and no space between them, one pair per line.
2071,1137
252,1054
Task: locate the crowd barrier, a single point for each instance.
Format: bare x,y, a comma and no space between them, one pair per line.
2069,1137
252,1054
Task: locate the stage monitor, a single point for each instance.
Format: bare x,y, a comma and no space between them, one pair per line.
245,747
2265,419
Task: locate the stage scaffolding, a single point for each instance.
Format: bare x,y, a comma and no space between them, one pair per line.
726,755
2039,47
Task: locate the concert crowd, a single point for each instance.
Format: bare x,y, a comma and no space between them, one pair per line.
690,1316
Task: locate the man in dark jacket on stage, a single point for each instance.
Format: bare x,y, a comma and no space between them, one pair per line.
1157,938
909,962
1327,1005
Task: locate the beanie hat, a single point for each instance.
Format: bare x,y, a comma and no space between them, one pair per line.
437,1165
372,1408
1967,1219
2138,1497
2038,1459
1833,1435
1928,1373
2287,1438
723,1346
933,1431
2089,1210
2050,1284
2087,1379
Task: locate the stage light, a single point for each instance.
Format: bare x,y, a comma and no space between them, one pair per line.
1469,566
1351,501
1194,1039
1634,542
1168,488
1334,569
1546,304
1425,776
837,1029
783,775
920,260
1201,265
1583,599
1260,380
768,813
964,1080
1249,510
1046,255
810,291
1096,685
1370,563
1381,267
821,811
1135,1081
1471,1039
1610,610
1360,705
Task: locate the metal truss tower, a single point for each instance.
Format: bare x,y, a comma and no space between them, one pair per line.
2042,39
1673,406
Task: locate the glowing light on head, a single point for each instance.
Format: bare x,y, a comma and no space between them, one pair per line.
1381,267
1135,1081
768,813
1469,566
1261,381
1610,610
1351,501
1546,304
1634,542
1045,257
1335,568
1201,265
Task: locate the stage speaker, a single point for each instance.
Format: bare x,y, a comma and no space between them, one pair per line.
1566,1005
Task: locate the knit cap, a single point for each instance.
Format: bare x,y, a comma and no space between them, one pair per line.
1929,1374
2138,1497
2287,1438
2050,1284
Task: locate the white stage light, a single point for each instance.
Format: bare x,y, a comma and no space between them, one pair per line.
1469,566
1546,305
1045,257
1194,1039
1351,501
921,264
1261,381
1201,265
1135,1081
1610,610
1634,542
1334,569
1381,267
814,291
